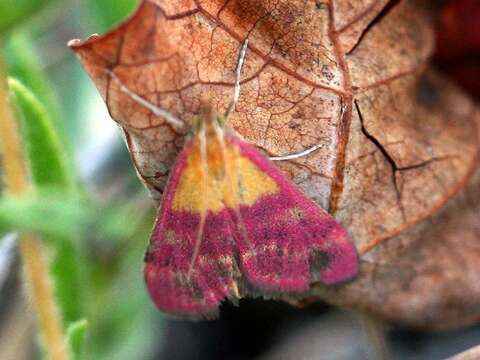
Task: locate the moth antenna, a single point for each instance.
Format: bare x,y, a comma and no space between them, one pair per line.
168,116
297,155
238,74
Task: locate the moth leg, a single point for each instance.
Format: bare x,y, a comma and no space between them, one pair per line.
168,116
238,73
343,109
297,155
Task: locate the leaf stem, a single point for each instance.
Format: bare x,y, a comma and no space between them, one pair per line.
49,321
31,251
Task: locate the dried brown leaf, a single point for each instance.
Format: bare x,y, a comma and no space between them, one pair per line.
397,142
428,275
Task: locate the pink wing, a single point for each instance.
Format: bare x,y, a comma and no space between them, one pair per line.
289,241
277,246
172,285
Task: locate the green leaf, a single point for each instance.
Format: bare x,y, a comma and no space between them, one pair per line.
59,218
43,148
15,11
65,268
53,215
107,13
76,337
23,64
61,221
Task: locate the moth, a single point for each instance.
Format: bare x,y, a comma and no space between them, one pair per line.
231,224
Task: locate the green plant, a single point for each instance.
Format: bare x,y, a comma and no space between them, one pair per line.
90,272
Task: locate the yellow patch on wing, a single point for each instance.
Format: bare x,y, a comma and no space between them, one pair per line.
231,179
252,182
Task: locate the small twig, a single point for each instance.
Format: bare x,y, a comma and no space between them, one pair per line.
31,251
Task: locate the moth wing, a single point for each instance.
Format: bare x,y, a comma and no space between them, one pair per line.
181,279
289,241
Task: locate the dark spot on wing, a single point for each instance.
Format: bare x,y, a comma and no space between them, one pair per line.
197,291
319,260
148,257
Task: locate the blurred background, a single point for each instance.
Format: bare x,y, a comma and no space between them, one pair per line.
95,217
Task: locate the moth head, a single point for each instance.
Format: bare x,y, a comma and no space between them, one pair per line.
207,117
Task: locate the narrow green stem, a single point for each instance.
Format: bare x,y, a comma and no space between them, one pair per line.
31,251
